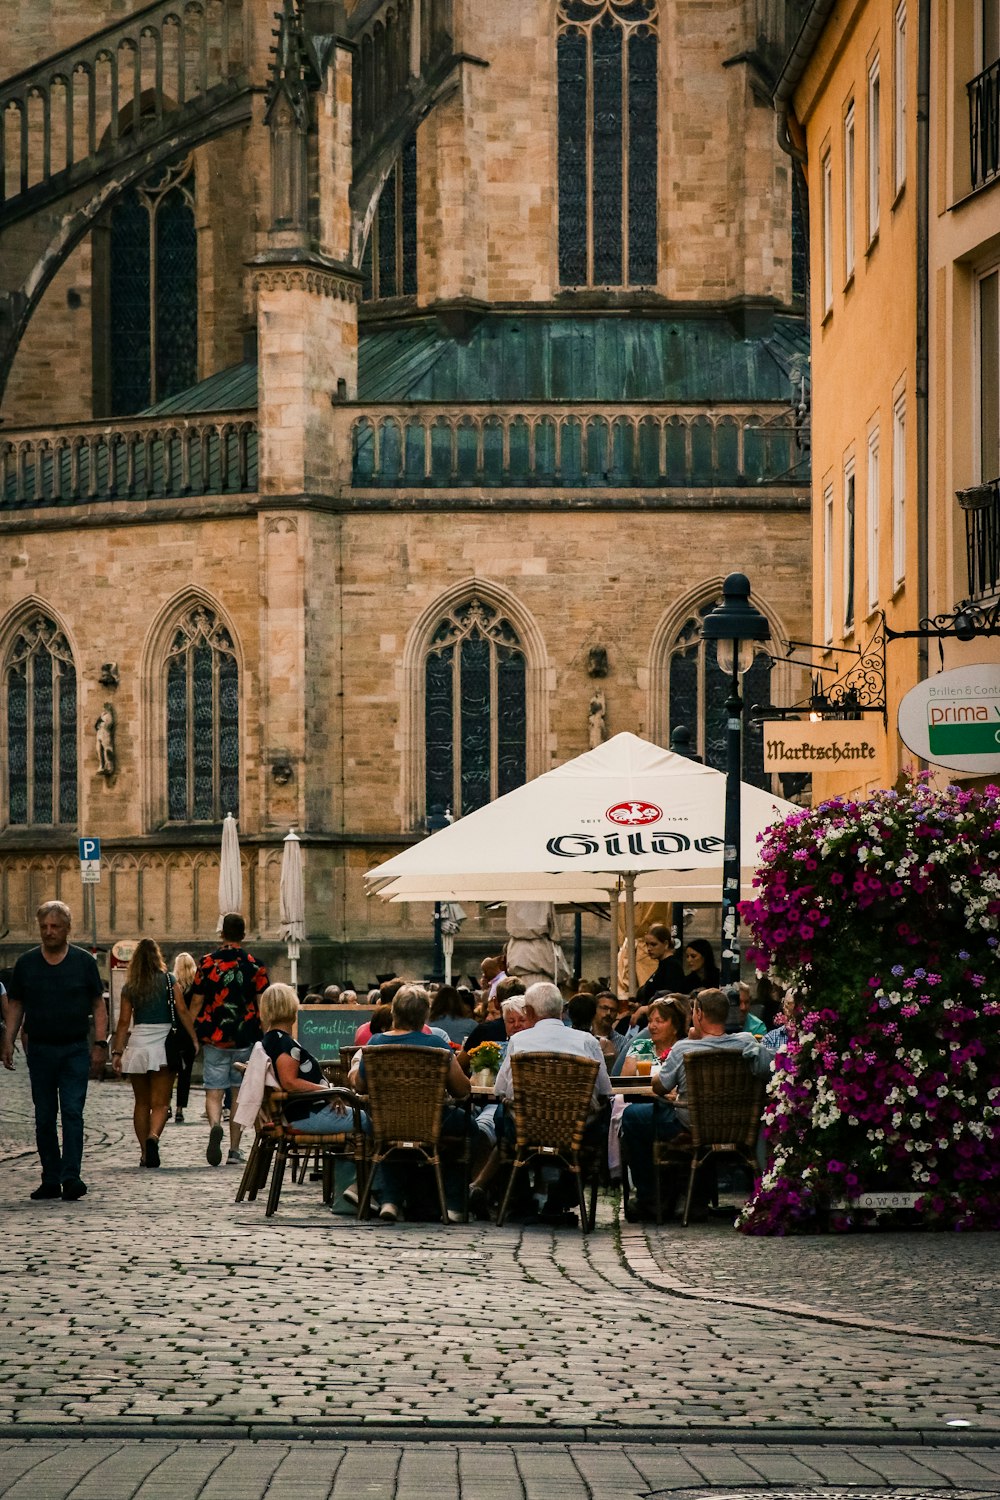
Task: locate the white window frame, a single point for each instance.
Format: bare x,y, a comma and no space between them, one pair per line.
827,172
828,565
899,491
873,500
874,128
850,189
899,100
850,545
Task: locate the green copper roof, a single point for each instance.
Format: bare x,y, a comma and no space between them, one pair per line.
512,358
232,389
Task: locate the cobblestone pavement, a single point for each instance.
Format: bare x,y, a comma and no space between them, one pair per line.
156,1312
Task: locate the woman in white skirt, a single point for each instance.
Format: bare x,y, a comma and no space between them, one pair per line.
150,999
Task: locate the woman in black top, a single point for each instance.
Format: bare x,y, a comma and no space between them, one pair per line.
296,1070
703,971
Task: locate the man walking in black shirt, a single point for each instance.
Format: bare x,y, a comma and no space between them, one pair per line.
53,990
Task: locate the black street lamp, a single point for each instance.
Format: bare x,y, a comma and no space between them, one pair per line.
737,627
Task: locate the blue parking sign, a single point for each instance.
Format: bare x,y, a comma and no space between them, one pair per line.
90,849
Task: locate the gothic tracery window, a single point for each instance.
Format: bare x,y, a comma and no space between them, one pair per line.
40,679
203,721
389,264
607,80
697,694
475,715
153,291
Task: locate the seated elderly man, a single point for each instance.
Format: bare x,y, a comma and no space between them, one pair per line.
643,1123
545,1032
410,1006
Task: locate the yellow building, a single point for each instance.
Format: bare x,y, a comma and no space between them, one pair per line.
904,218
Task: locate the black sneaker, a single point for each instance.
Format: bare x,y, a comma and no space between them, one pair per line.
46,1190
73,1189
213,1152
152,1151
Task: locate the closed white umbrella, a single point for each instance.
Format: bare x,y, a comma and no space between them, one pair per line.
230,871
292,900
452,917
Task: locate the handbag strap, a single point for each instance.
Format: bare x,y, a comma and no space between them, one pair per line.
170,1002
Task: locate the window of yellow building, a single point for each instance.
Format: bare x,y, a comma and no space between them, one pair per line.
828,565
827,233
899,101
989,376
898,491
849,545
874,147
872,503
850,231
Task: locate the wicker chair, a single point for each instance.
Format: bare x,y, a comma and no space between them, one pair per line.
335,1075
406,1092
277,1141
725,1101
552,1094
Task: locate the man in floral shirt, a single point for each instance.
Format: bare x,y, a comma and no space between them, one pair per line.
223,1004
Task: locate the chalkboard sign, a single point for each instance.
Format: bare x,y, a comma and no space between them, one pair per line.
324,1029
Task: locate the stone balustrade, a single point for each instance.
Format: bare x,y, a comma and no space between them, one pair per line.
129,459
561,445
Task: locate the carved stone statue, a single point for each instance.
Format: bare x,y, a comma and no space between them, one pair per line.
597,728
105,731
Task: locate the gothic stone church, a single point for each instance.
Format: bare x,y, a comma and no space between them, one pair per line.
386,383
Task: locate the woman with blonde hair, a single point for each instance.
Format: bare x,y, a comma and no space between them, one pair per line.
150,1002
184,968
295,1068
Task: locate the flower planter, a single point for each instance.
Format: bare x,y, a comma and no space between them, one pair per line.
484,1078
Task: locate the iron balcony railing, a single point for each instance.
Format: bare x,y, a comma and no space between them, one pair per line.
982,537
984,125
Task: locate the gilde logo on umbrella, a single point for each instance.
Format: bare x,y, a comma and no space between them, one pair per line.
634,814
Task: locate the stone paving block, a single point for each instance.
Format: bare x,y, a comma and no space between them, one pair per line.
123,1470
899,1466
305,1473
20,1459
724,1466
57,1474
488,1472
780,1465
185,1472
664,1468
609,1473
428,1471
368,1471
549,1474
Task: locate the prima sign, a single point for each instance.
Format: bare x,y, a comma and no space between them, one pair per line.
953,719
819,744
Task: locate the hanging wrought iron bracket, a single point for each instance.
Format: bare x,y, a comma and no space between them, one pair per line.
964,623
859,690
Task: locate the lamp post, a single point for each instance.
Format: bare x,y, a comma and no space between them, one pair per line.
737,627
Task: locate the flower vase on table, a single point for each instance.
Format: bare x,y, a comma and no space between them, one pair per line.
485,1064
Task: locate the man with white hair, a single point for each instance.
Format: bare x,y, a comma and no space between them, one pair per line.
545,1032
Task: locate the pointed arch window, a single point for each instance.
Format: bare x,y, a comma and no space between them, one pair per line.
389,264
202,721
475,715
41,714
607,82
152,320
697,698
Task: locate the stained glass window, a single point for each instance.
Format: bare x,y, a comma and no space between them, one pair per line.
698,690
203,721
475,710
389,264
153,313
41,726
606,67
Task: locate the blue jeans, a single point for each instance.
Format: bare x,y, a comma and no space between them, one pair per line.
326,1121
393,1176
642,1124
59,1076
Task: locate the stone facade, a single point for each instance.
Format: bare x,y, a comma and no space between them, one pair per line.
329,591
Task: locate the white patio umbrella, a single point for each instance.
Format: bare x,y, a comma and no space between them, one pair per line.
625,818
230,870
292,900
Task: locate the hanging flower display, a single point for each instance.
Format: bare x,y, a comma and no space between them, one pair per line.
885,916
